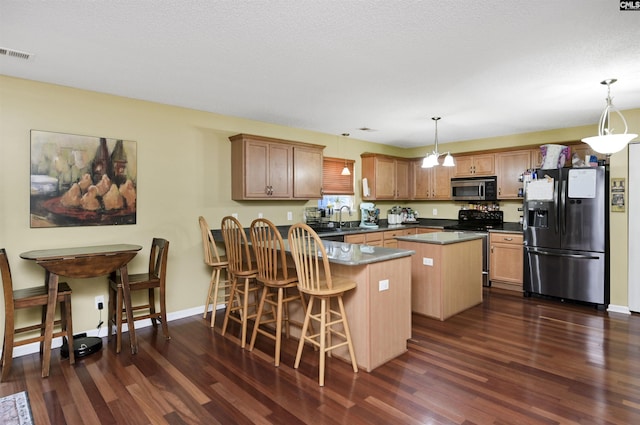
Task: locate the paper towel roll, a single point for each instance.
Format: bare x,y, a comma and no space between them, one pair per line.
365,188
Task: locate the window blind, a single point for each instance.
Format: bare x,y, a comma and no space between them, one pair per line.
333,182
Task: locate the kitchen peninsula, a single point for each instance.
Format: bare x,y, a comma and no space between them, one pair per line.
379,308
446,272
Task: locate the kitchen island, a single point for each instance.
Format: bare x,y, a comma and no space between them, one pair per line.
379,308
446,272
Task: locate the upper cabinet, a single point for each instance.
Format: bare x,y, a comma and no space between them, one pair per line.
307,172
265,168
387,176
474,165
430,183
509,168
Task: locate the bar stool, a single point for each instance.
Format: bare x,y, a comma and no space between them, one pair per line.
28,298
243,276
315,280
218,263
155,278
277,279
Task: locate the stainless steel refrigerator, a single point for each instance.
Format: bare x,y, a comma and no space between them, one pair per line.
566,235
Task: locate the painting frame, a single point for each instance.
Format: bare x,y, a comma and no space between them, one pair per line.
618,193
78,180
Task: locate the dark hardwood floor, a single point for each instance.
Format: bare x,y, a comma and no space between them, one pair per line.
509,361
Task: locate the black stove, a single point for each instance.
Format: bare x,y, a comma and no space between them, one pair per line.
478,221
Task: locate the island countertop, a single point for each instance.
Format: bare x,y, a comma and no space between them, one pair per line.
350,254
441,238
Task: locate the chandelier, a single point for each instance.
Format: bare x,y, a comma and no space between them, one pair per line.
431,159
606,141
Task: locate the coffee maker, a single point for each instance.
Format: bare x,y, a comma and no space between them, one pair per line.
369,215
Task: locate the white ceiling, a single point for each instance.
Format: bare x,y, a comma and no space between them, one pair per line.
489,68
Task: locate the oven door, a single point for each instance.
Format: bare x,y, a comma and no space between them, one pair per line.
485,252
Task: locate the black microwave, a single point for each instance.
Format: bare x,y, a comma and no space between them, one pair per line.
474,188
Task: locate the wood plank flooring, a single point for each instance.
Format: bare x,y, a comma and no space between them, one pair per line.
509,361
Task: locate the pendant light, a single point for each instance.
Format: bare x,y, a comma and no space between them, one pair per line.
431,159
606,142
345,170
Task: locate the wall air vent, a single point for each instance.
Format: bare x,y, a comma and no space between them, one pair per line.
15,53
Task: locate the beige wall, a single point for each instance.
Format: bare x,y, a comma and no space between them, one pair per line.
183,172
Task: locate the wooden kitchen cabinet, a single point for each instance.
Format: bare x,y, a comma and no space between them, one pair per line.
583,149
509,168
506,260
265,168
430,183
387,176
390,241
356,239
474,165
307,172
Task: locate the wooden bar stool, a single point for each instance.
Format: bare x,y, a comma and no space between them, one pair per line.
218,263
243,276
279,284
315,280
29,298
155,278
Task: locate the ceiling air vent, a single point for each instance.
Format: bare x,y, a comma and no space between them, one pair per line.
15,53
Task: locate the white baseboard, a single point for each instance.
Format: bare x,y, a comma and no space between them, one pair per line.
102,332
618,309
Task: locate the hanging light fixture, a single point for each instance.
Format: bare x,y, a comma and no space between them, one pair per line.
606,142
431,159
345,170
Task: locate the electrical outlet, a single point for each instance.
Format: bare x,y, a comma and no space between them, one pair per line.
427,261
383,285
435,211
289,215
99,300
260,215
234,215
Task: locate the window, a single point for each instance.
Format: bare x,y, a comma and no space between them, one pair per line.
333,182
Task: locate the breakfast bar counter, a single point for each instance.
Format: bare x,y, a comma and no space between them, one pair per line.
379,308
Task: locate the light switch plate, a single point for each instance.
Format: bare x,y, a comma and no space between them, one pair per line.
289,215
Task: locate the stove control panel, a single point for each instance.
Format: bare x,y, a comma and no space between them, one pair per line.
477,216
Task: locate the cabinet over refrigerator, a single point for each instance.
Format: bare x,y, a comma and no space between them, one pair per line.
566,235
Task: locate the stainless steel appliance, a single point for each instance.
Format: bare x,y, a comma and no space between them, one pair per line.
566,235
474,188
480,222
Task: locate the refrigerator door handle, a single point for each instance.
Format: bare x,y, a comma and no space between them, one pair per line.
563,207
555,206
555,254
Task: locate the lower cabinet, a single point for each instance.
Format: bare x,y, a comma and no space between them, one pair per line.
390,240
506,260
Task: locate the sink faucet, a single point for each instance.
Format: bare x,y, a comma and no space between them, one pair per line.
340,223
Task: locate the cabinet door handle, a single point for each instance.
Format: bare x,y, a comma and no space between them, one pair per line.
508,239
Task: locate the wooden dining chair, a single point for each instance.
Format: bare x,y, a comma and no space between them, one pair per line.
315,280
279,284
243,295
29,298
218,289
154,279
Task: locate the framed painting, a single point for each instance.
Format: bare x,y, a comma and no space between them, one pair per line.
82,180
